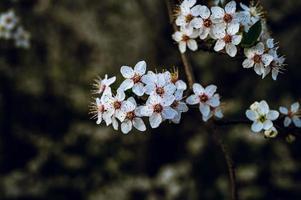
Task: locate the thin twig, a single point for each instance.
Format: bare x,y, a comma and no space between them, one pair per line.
230,164
185,61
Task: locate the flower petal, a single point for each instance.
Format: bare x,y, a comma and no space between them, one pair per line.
198,89
192,45
168,113
257,127
126,126
167,100
267,124
126,84
140,68
297,121
127,72
139,89
295,107
204,12
210,90
204,109
231,50
287,121
273,115
214,101
193,99
283,110
251,115
248,63
155,120
219,45
230,7
138,123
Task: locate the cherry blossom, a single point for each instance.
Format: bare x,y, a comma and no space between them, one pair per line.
257,58
158,109
205,97
102,84
291,115
186,38
133,78
262,116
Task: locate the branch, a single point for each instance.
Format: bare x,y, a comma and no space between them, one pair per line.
230,165
186,63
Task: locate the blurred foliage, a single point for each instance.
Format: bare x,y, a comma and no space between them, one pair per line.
49,149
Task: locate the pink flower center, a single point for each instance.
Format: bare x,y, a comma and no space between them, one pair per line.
160,90
158,108
130,115
257,58
228,39
189,18
185,38
207,23
101,108
117,105
228,18
204,98
136,78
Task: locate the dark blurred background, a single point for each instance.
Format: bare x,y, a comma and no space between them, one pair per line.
50,149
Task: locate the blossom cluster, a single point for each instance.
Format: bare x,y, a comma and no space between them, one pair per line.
11,29
226,26
263,118
146,94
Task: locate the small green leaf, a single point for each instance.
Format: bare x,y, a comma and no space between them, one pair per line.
251,37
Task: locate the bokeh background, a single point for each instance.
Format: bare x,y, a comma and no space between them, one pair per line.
50,149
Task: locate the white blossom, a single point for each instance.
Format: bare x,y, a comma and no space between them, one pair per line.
22,38
257,58
186,14
179,106
158,84
214,112
158,109
133,118
186,38
133,78
205,97
291,115
227,15
102,84
228,40
250,15
262,116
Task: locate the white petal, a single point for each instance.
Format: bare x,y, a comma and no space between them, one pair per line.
257,127
153,100
263,107
236,39
196,23
267,59
198,89
204,109
181,85
120,115
126,126
204,33
133,101
283,110
170,89
167,100
115,123
297,121
219,31
219,45
259,48
205,12
155,120
217,12
267,124
182,46
230,7
110,81
193,99
140,68
127,72
210,90
287,121
139,89
214,101
168,113
148,78
126,84
273,115
146,111
120,96
258,68
138,123
150,88
180,21
233,28
248,63
127,106
295,107
192,45
231,50
182,107
195,11
251,115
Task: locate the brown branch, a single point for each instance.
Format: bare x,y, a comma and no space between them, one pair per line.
185,61
230,165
